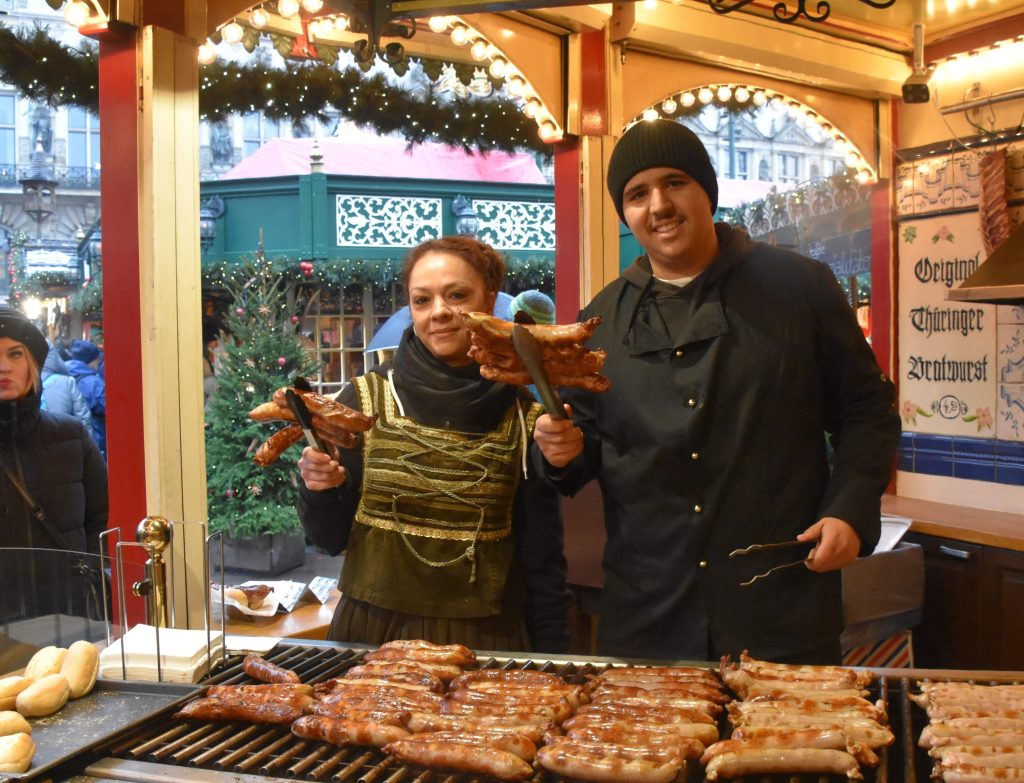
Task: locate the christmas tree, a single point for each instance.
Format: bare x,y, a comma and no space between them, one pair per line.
261,353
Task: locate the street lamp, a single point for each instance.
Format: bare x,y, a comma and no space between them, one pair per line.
467,222
39,189
209,211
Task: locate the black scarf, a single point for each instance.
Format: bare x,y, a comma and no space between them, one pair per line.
438,395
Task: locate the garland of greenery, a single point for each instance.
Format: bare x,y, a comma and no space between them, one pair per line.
20,286
46,70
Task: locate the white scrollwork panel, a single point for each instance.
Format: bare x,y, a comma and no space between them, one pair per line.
386,221
516,225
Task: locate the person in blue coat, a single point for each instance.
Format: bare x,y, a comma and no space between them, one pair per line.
91,386
60,391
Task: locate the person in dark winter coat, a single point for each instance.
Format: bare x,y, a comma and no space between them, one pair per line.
60,391
448,536
92,387
733,365
53,480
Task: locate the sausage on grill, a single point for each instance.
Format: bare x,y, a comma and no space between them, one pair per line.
265,671
339,731
605,763
241,710
463,758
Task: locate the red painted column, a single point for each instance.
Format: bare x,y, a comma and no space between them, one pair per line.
119,202
593,102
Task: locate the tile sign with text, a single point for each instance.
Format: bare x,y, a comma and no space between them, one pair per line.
948,372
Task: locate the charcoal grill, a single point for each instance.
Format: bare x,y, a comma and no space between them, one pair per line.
189,751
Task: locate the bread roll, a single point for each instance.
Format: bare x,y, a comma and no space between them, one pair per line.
44,697
10,687
81,665
236,595
12,723
16,752
45,662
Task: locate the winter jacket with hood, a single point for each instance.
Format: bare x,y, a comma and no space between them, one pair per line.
60,391
94,391
713,437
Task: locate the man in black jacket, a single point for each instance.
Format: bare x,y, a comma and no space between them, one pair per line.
733,366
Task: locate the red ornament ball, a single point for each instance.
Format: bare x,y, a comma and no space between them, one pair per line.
281,361
239,311
308,273
295,319
229,493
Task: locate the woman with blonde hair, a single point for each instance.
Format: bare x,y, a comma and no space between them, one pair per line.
53,480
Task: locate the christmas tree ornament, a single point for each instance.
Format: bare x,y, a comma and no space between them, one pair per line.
281,361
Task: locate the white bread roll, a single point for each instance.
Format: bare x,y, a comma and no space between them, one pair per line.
44,697
16,752
10,687
12,723
236,595
80,667
45,662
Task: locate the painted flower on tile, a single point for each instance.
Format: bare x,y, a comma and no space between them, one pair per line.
910,411
984,418
942,233
910,234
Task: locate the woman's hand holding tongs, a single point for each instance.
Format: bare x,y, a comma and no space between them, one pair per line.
838,544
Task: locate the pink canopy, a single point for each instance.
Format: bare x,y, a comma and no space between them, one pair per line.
369,156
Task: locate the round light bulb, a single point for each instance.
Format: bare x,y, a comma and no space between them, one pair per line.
259,18
312,6
232,32
742,94
651,5
760,99
287,8
515,85
705,95
794,110
207,53
724,93
76,13
548,131
778,104
341,22
669,106
651,114
688,99
852,159
863,176
459,35
531,107
478,51
438,23
497,68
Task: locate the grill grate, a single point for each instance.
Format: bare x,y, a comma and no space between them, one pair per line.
273,752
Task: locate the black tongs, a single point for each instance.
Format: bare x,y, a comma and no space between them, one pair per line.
529,352
762,547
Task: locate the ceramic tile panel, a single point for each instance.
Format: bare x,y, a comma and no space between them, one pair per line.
1010,314
1010,353
1010,412
966,179
905,189
933,180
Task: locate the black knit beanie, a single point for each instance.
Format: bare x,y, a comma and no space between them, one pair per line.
656,144
16,325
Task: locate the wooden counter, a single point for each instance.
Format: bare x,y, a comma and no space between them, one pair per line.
960,523
307,621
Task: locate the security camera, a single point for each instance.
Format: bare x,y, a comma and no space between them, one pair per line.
915,88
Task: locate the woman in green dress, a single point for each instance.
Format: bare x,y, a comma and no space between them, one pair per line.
448,532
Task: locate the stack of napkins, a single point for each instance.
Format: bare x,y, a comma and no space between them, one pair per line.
183,655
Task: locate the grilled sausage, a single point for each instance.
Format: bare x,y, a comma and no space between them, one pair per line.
522,713
766,761
492,328
338,731
444,672
653,690
508,741
655,713
503,676
872,737
703,732
604,763
685,747
265,671
655,699
448,657
419,722
239,709
361,714
972,773
656,673
278,690
330,409
421,679
276,445
463,758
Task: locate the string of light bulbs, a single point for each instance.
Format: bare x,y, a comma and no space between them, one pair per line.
694,99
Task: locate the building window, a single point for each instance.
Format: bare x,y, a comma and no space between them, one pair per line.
83,139
789,168
838,166
764,170
742,164
815,171
7,145
335,326
258,130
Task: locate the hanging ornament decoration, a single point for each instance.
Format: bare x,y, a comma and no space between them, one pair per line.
239,311
281,361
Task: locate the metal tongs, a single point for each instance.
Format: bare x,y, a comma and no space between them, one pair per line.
762,547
